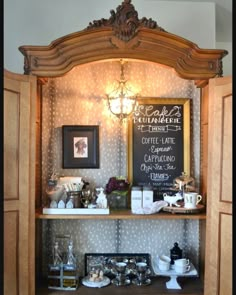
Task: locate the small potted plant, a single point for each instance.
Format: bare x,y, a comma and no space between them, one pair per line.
117,190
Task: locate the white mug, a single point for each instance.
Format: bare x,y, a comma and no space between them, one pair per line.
181,268
191,200
181,262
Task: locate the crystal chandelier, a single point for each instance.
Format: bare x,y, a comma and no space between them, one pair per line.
122,101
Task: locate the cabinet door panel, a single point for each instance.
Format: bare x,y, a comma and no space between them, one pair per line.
218,260
225,255
19,183
11,224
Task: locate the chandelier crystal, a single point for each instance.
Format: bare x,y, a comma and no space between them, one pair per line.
122,101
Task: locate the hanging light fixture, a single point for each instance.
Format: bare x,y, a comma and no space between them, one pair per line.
121,100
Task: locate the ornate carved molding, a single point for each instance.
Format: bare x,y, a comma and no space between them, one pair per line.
125,22
123,35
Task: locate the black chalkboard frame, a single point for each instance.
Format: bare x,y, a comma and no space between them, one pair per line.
185,102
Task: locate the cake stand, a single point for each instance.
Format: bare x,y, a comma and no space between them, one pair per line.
173,283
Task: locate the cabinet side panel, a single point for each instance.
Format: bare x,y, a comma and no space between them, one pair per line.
204,143
203,171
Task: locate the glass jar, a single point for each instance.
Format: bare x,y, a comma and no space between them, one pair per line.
95,269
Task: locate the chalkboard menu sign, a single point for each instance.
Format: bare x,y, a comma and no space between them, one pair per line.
159,143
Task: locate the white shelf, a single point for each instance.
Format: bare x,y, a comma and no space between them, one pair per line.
77,211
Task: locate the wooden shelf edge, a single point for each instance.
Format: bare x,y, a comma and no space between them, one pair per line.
190,286
122,214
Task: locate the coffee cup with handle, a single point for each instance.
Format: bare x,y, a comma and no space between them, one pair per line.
181,268
181,262
191,199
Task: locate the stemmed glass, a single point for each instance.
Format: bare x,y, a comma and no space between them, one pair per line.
142,272
121,274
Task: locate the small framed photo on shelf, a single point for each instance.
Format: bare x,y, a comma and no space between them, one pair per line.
80,146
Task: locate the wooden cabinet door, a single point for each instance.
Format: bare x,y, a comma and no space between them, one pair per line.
19,184
218,258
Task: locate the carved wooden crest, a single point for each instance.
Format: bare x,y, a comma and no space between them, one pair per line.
125,22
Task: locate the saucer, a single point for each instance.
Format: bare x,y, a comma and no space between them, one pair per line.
138,283
116,282
86,282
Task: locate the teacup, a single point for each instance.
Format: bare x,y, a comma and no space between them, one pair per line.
181,268
191,200
181,262
163,262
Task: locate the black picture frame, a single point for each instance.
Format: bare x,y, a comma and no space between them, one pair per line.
80,146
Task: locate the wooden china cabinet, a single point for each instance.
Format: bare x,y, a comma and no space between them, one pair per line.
123,35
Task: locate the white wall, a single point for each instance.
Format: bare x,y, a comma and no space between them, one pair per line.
29,22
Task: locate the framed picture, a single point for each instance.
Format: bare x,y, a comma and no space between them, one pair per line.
159,143
80,146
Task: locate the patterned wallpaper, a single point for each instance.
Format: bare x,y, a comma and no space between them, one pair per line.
78,98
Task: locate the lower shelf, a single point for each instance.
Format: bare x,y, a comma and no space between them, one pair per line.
190,286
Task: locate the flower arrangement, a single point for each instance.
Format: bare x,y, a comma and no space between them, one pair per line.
117,185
